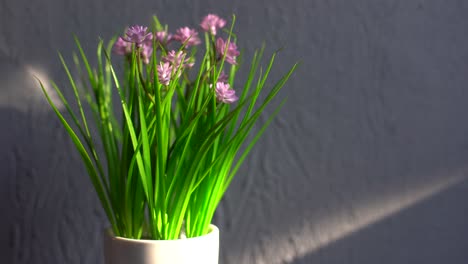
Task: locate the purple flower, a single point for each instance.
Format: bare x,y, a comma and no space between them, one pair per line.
178,58
211,23
223,77
137,35
146,51
225,94
187,36
163,37
231,52
122,47
164,73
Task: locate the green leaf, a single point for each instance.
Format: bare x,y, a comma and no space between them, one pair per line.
86,159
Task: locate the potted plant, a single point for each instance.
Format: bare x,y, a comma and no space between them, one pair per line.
164,156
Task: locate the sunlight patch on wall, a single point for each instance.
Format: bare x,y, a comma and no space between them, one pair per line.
21,91
316,234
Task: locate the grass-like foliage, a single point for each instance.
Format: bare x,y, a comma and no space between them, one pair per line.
162,162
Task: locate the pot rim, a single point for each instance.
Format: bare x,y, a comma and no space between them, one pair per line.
214,231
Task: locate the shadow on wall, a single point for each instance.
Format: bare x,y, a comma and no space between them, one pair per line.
421,233
40,181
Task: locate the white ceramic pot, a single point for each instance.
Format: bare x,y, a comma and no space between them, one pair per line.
197,250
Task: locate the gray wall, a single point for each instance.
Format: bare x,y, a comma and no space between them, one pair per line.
367,163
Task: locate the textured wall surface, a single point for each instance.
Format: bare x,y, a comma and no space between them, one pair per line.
367,163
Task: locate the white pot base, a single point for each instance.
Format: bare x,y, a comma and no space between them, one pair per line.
197,250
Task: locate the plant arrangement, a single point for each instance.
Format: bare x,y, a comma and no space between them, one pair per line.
162,159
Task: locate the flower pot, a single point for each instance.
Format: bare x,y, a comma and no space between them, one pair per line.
197,250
